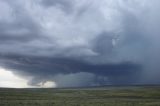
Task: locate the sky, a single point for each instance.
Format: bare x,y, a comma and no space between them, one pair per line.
77,43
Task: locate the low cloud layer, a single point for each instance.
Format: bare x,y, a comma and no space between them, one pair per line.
81,43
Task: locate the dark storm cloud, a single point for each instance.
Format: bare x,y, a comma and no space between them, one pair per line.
67,65
40,67
105,42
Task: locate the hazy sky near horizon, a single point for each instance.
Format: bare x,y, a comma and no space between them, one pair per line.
72,43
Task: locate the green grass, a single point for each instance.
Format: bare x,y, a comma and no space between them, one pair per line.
109,96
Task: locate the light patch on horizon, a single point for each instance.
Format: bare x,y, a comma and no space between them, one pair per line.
9,80
47,84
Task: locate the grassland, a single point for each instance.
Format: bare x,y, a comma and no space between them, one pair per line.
105,96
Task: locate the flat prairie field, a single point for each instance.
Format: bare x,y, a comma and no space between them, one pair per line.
98,96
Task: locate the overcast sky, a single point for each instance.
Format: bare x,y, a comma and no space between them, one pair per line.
73,43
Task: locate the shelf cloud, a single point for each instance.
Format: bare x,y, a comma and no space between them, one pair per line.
68,43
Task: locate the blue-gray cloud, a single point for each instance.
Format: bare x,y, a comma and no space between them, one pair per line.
111,42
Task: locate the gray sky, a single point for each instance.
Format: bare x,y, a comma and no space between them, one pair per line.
66,43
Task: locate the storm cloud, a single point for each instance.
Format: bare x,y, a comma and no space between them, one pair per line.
81,43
